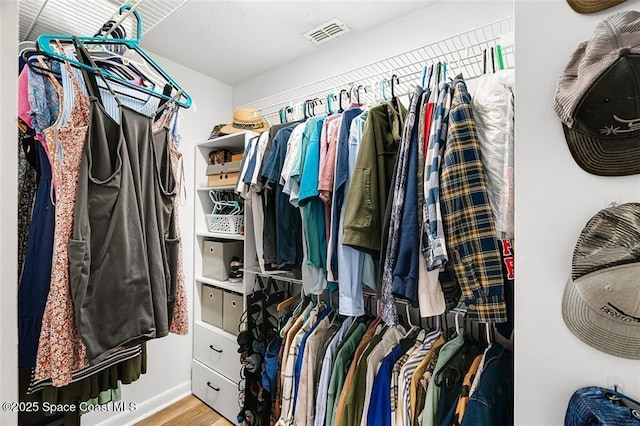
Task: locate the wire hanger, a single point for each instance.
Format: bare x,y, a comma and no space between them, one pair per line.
343,91
44,44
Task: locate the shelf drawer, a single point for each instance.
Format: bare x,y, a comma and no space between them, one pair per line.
215,390
217,351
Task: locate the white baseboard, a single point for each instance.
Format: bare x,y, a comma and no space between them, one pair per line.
149,407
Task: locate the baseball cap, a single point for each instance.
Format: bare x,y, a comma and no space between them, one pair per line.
601,303
594,405
598,98
591,6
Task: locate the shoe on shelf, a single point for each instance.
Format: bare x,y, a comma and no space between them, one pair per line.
235,269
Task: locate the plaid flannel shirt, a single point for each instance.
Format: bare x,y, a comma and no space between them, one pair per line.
474,256
433,238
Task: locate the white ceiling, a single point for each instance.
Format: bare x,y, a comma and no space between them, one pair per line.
234,41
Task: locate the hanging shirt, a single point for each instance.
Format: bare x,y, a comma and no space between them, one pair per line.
493,110
475,264
352,412
328,141
396,384
297,371
448,350
430,296
380,407
466,390
249,151
311,205
325,374
367,197
254,199
423,362
309,373
390,338
293,148
403,185
287,240
340,179
492,402
341,403
433,241
341,365
354,266
287,374
271,163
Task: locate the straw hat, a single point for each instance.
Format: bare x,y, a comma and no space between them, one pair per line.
246,118
591,6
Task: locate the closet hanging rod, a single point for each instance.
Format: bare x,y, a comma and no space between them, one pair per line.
463,52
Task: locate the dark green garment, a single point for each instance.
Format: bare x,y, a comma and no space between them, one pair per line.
354,403
340,368
90,387
366,200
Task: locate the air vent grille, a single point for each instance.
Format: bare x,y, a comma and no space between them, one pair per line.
327,31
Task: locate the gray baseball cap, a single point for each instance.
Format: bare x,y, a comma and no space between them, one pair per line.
598,98
601,303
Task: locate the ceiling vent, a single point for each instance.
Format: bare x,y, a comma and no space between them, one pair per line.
327,31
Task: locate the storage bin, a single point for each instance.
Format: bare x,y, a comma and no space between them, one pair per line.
211,305
225,223
231,312
216,256
223,179
232,166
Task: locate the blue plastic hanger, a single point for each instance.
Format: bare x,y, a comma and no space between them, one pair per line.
44,44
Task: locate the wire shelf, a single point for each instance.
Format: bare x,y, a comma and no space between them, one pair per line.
463,54
86,17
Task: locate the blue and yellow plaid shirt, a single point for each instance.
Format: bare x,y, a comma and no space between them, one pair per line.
470,233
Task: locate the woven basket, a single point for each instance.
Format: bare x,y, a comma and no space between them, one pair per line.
225,224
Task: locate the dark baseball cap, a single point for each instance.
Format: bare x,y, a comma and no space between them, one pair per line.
598,98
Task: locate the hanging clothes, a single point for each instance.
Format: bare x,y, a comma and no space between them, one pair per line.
36,277
403,285
355,267
341,174
60,350
286,235
266,241
180,318
120,173
475,265
493,111
493,400
369,188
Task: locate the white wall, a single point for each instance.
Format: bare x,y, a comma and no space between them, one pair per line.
169,359
8,214
554,200
426,25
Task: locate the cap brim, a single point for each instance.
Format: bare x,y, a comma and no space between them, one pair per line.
229,128
602,157
592,6
606,335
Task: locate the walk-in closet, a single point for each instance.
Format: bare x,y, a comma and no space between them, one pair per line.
318,212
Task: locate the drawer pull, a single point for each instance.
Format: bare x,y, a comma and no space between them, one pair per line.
213,387
215,349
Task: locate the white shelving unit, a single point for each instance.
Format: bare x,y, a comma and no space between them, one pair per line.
216,364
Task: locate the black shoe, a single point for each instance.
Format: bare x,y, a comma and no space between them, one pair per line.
235,269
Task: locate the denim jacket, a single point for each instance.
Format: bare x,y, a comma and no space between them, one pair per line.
492,401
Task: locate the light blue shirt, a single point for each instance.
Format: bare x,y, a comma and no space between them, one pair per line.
355,268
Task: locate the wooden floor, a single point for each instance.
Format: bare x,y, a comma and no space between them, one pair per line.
189,411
